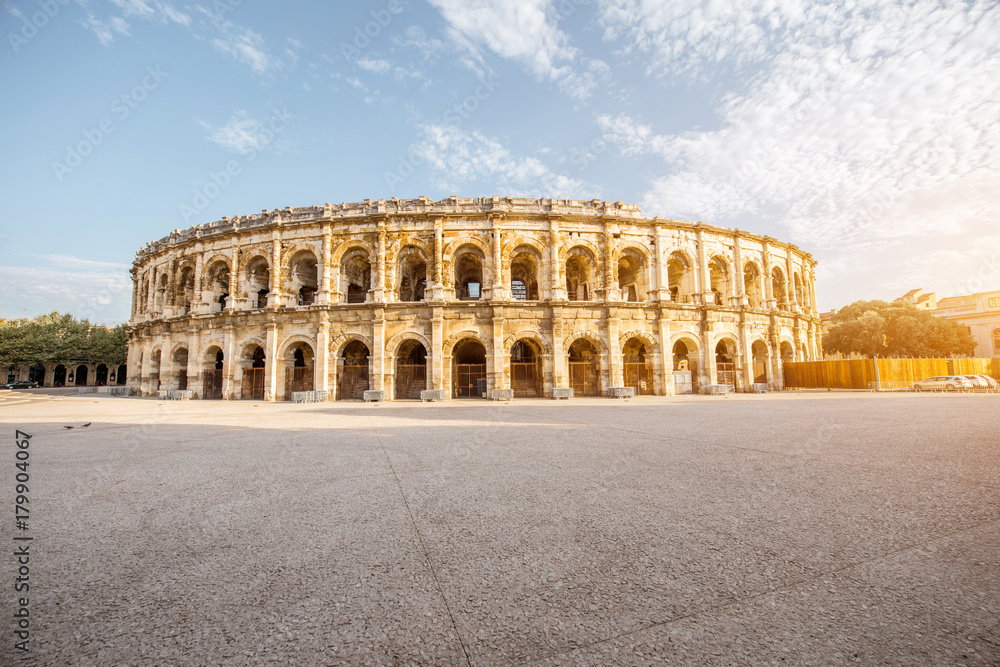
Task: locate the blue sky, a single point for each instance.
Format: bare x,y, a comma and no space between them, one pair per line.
866,132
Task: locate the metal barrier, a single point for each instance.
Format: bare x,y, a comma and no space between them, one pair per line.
719,389
310,396
562,392
86,390
432,394
621,392
502,394
119,391
759,388
374,395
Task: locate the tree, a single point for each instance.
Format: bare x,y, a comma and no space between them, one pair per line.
57,338
879,328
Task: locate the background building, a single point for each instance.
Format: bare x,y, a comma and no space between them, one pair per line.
979,312
462,295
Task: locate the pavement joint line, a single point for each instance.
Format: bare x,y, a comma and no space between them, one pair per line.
776,589
423,546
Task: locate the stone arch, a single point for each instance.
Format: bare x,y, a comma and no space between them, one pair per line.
401,244
647,338
570,243
206,346
592,336
345,338
292,340
392,346
530,334
467,239
720,278
294,248
633,245
456,338
248,344
681,275
177,346
410,273
753,285
339,250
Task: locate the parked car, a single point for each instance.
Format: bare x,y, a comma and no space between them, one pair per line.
982,382
20,384
944,382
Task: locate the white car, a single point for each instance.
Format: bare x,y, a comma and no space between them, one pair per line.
945,383
982,382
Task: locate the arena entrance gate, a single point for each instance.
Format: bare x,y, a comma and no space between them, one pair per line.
212,385
584,377
638,372
469,371
411,369
253,377
354,372
525,370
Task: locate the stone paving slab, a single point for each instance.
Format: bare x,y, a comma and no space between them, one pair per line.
777,529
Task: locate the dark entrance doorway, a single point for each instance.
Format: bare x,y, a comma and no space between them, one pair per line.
37,374
469,369
121,375
59,376
300,376
526,370
354,372
212,388
584,377
101,375
411,369
253,377
81,376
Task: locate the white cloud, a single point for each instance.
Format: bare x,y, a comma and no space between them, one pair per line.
246,47
524,31
241,134
462,158
871,124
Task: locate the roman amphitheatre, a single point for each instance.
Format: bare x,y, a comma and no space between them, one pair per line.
466,296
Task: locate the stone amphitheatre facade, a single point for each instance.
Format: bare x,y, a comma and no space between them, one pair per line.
466,296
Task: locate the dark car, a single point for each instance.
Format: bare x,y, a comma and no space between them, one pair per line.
21,384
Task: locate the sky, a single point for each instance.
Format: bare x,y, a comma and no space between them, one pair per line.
866,132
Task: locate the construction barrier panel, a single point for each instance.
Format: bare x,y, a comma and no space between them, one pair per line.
890,373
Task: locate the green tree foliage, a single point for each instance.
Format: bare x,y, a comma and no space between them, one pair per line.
879,328
58,338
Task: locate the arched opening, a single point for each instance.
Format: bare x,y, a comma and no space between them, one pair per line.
638,369
353,371
37,374
298,369
355,276
526,369
218,285
254,364
121,375
59,376
100,375
412,275
302,277
579,274
411,369
181,363
468,273
679,278
800,299
212,383
524,275
81,376
469,369
725,363
787,352
685,364
584,368
718,274
751,285
632,276
761,356
258,281
778,288
185,290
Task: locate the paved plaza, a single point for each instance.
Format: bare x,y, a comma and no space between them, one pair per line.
822,528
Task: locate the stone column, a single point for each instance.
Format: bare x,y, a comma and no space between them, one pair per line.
274,297
766,278
660,267
199,270
558,285
740,295
195,382
703,273
793,295
271,365
500,361
228,363
323,294
616,369
436,381
666,353
322,382
611,290
746,354
234,277
435,288
560,358
499,289
378,354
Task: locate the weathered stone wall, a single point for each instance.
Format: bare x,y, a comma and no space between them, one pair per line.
548,272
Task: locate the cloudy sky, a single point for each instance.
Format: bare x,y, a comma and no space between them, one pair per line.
865,131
